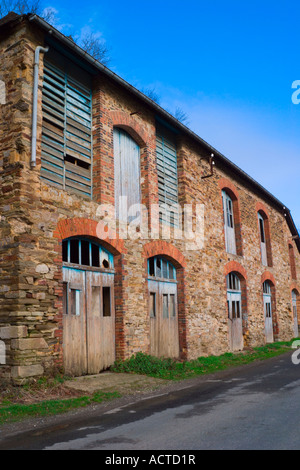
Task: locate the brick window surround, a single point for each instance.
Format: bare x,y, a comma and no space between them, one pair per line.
227,186
263,211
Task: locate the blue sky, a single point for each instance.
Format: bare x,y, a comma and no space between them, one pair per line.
229,65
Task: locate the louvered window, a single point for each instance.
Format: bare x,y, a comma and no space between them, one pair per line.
66,133
166,160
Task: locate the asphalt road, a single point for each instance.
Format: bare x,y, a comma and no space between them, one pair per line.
256,407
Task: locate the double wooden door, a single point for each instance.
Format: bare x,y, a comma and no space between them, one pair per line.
295,314
268,318
163,311
88,321
235,321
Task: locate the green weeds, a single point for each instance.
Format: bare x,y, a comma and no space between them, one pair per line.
172,370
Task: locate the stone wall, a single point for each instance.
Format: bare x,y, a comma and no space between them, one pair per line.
36,217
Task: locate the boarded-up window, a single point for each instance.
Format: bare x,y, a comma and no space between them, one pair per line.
66,159
229,225
2,92
265,239
263,243
127,174
166,161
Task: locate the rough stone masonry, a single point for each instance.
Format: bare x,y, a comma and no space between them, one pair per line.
37,216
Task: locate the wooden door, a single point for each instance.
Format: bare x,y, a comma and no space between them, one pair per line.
235,321
295,314
163,311
100,321
88,321
268,318
74,322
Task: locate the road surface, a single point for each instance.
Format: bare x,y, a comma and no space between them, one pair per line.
254,407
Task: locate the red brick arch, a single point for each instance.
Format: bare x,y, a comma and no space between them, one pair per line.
225,183
260,207
234,266
128,123
77,227
160,247
267,276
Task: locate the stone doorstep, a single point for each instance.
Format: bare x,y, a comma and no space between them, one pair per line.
114,382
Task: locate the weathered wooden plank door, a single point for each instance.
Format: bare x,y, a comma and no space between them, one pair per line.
263,245
127,173
235,322
268,315
295,314
164,331
74,322
229,227
100,321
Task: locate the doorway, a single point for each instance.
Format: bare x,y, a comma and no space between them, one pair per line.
88,307
235,319
163,308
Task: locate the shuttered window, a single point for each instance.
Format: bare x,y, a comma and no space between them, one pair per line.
127,174
166,161
66,132
229,224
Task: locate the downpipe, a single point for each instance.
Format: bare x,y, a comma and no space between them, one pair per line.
38,50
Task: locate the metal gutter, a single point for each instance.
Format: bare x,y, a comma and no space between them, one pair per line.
38,50
165,115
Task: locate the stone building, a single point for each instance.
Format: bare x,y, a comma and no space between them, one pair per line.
78,288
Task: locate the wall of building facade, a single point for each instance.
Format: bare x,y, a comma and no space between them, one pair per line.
36,217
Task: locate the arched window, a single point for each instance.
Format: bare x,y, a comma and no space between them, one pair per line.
84,252
160,267
265,240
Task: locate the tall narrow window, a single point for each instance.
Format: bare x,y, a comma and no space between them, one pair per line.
127,175
265,241
67,127
166,162
229,224
263,246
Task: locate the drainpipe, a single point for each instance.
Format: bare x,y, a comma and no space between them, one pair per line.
35,102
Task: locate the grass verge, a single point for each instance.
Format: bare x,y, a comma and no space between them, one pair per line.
172,370
12,412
